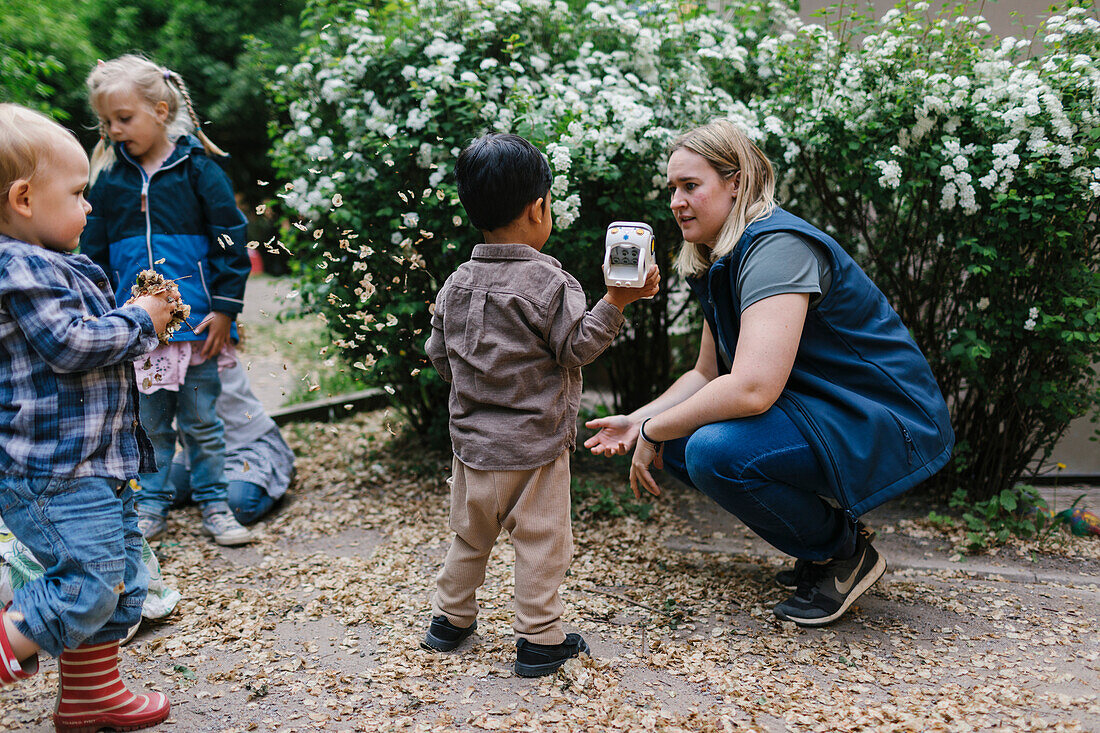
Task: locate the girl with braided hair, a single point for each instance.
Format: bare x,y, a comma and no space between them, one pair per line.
160,202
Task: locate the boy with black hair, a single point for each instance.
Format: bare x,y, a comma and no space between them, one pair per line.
510,332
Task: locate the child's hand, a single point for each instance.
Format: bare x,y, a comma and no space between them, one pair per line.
159,307
622,297
216,326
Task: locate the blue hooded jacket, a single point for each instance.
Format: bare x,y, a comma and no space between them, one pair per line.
860,392
182,221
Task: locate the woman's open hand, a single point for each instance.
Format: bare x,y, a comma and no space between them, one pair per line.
644,455
616,435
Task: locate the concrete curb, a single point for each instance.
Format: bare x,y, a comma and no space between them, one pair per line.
987,570
332,408
983,570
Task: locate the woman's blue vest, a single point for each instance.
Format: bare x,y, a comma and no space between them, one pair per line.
860,391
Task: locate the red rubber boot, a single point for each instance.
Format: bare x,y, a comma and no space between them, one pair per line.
92,695
11,669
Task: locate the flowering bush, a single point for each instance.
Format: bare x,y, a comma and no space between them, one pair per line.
964,172
383,100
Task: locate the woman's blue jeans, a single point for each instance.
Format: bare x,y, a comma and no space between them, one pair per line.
84,533
764,472
203,438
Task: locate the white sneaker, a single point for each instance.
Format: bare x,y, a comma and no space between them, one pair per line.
218,522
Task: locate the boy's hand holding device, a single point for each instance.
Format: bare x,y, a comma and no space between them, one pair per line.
629,270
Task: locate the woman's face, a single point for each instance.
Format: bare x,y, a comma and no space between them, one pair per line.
701,199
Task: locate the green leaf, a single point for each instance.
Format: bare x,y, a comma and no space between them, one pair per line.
184,671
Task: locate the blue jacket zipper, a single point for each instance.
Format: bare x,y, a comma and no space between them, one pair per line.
146,179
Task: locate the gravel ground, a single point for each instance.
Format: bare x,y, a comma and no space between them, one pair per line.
316,626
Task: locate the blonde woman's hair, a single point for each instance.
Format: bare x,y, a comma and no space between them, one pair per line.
152,83
27,141
729,151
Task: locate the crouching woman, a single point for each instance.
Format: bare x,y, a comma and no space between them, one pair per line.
809,403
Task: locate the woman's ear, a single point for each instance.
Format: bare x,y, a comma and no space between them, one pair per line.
19,197
735,184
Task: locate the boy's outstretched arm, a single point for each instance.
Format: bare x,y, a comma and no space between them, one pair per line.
577,337
58,327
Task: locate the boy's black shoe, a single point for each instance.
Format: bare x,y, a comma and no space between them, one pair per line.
789,578
536,660
443,636
826,590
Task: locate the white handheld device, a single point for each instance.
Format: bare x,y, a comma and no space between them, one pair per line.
628,254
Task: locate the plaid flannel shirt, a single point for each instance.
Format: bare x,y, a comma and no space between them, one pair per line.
68,400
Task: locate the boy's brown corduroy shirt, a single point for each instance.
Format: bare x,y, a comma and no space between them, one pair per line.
511,332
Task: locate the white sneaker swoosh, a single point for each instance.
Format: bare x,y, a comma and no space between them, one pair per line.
843,588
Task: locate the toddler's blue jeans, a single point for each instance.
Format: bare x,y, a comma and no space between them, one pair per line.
203,438
84,533
764,472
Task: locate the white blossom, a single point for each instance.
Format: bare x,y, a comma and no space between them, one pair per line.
891,173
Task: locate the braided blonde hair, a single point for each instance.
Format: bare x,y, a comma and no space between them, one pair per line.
729,151
152,83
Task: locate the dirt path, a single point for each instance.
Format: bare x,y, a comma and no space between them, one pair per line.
275,348
316,626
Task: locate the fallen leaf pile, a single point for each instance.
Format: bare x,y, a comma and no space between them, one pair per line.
317,625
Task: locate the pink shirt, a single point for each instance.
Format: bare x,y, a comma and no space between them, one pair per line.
166,366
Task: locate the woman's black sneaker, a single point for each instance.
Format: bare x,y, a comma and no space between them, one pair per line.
536,660
826,590
789,578
443,636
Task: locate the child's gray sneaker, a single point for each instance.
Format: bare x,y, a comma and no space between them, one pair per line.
151,525
218,522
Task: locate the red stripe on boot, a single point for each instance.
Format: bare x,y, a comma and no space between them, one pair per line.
93,696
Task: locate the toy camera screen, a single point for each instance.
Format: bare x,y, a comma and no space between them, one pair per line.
624,256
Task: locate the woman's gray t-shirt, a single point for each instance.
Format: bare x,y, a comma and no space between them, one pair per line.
783,262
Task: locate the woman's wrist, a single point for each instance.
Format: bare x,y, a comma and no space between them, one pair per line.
644,436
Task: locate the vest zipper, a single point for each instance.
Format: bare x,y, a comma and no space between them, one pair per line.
910,447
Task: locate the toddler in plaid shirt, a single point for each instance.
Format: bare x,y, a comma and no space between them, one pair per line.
70,438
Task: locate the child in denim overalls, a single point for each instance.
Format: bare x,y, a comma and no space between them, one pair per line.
70,441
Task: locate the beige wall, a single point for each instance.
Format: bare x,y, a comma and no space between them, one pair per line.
999,15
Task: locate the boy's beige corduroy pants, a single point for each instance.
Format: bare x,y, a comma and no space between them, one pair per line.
533,506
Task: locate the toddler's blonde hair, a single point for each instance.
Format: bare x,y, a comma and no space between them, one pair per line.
27,139
153,84
729,151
